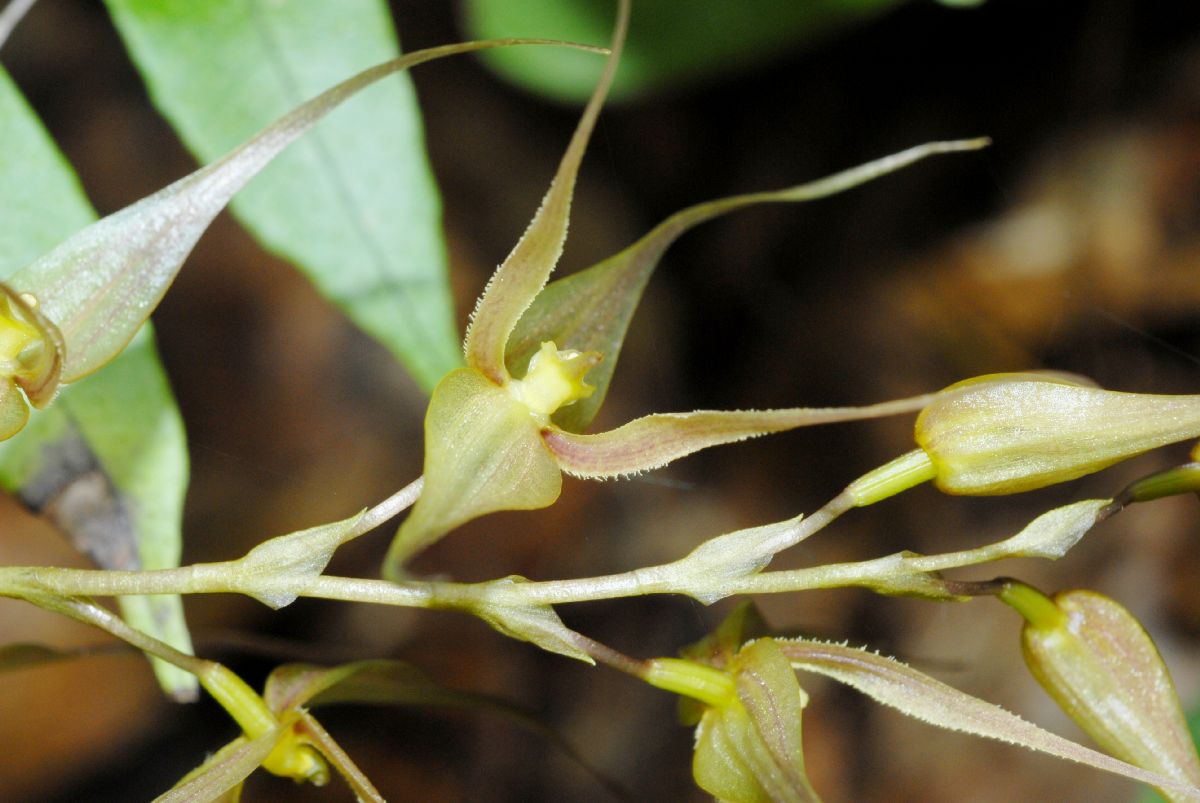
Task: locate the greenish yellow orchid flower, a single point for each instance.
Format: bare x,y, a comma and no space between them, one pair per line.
1098,663
31,359
1008,433
500,432
746,702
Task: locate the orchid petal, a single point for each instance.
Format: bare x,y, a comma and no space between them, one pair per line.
655,440
482,453
524,272
223,772
590,310
917,695
768,689
100,285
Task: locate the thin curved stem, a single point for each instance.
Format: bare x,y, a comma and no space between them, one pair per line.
389,508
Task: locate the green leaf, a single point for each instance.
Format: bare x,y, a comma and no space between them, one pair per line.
590,310
670,43
355,205
112,445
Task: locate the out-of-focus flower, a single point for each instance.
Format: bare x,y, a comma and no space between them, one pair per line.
1098,663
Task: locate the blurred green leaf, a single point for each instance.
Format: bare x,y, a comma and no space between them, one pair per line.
670,43
354,205
108,462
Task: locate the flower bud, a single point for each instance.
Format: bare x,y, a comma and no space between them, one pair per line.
1101,667
748,745
1006,433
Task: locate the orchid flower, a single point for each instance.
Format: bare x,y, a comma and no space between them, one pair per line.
1099,664
1010,433
73,310
500,432
740,690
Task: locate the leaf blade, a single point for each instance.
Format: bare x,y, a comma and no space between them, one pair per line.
126,417
354,206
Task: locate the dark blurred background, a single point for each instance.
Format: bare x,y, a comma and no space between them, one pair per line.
1072,243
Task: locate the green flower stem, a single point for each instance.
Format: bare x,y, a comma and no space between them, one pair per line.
291,757
723,566
704,683
1039,610
904,472
1178,480
670,578
244,704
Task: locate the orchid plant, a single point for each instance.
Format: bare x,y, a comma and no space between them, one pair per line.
503,427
